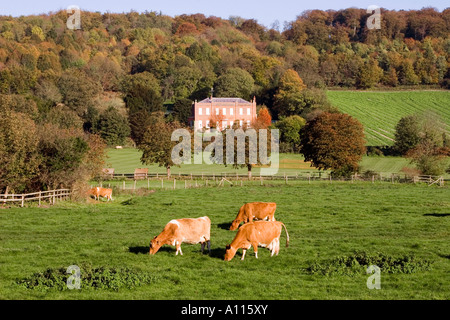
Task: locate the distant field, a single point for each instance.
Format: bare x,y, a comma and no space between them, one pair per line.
379,112
126,160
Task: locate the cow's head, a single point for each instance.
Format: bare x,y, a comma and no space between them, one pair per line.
229,253
235,224
155,244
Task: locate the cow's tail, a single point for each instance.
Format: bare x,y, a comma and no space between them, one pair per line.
287,234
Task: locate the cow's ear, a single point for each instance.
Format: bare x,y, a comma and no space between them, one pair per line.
228,247
154,237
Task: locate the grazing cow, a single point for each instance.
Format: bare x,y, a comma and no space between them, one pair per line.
186,230
98,192
254,234
254,210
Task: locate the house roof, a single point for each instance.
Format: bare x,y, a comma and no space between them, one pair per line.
228,100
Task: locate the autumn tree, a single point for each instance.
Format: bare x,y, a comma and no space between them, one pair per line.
156,145
263,120
288,99
333,141
19,160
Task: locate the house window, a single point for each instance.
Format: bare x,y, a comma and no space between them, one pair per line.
241,111
217,111
200,124
200,111
241,122
248,111
207,111
224,124
207,124
224,111
248,123
231,111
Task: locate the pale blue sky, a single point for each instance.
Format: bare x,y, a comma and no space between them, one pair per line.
266,12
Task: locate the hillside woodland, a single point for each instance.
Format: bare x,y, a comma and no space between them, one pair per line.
62,89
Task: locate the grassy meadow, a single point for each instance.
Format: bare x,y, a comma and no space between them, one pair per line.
325,221
127,159
380,112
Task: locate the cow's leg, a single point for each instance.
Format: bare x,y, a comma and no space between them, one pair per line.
209,245
255,248
203,246
178,246
243,253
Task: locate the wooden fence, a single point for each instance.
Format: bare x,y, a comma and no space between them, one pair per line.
119,180
51,196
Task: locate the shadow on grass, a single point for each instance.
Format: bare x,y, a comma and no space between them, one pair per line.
146,249
437,215
225,225
139,249
218,253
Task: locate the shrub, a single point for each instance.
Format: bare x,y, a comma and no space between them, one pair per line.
92,278
358,262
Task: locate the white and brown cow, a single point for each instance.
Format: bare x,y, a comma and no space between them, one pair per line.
185,230
254,211
256,234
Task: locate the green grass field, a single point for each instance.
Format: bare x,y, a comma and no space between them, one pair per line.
379,111
324,221
128,159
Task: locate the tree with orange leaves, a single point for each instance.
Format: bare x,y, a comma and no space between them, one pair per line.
264,119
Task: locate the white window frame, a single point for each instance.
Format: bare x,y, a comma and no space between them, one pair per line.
200,111
224,110
241,111
231,111
217,111
200,124
207,111
248,111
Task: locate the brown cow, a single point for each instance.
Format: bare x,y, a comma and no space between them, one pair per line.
185,230
98,192
254,210
254,234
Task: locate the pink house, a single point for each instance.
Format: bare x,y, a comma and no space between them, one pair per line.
223,111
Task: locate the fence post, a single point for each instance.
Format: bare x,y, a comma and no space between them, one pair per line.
373,179
185,184
23,200
123,185
162,183
148,183
174,183
39,198
134,184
